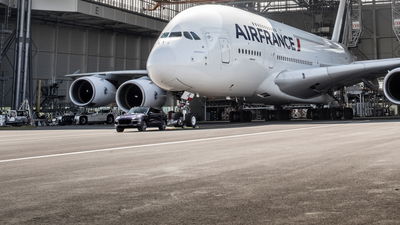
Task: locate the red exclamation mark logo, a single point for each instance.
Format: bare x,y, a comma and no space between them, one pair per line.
298,45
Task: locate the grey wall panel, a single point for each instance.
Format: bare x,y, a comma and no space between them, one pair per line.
106,44
383,22
44,37
367,23
132,64
92,64
365,46
119,64
63,40
62,65
77,43
76,62
93,42
43,68
133,44
106,64
387,48
120,45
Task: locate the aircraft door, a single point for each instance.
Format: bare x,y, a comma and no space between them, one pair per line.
225,50
270,58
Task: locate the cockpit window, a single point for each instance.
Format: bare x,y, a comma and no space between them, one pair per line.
175,34
195,36
164,35
187,35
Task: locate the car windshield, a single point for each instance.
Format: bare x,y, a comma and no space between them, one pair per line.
138,110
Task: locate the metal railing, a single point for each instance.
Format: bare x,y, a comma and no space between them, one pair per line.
166,12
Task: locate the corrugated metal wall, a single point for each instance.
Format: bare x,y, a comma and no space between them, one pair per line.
59,50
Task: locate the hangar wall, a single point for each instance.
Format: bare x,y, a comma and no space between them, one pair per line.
377,40
64,50
60,49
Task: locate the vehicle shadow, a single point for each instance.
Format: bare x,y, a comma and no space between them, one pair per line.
228,125
209,125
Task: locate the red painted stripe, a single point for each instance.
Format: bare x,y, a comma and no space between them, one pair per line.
298,45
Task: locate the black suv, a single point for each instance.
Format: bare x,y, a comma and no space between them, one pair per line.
141,118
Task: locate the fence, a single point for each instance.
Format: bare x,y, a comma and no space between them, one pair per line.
165,12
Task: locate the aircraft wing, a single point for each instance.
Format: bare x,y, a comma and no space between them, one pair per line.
112,75
309,83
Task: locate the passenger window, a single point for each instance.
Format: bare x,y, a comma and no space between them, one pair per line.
195,37
175,34
239,50
164,35
187,35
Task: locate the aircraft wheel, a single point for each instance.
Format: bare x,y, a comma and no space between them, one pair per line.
83,120
348,114
110,119
190,120
119,129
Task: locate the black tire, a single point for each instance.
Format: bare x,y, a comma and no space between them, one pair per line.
83,120
267,116
110,119
190,120
348,114
310,114
119,129
163,125
234,116
336,113
143,127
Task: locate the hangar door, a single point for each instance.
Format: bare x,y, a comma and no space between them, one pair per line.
225,50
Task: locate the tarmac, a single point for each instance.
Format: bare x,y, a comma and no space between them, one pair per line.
297,172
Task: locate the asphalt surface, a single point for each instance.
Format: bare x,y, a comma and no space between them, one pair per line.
259,173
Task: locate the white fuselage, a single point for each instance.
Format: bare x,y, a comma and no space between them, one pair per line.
239,54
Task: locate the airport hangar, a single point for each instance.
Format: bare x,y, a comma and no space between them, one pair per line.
300,172
102,35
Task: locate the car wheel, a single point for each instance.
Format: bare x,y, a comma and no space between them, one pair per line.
83,120
163,125
120,129
110,119
143,127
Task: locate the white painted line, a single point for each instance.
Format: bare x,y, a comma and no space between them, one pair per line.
49,137
165,143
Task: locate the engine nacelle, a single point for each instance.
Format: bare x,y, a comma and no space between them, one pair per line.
92,91
140,92
391,86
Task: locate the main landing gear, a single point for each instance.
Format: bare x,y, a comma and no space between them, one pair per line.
280,114
330,114
240,116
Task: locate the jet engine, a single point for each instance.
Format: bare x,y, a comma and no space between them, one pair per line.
92,91
391,86
140,92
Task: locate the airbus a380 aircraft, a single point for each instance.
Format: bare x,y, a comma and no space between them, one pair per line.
221,51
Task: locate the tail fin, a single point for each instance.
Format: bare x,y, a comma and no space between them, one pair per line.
339,29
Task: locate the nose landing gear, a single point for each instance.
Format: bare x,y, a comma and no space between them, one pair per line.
183,117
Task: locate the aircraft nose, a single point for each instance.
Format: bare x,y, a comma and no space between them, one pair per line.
161,66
